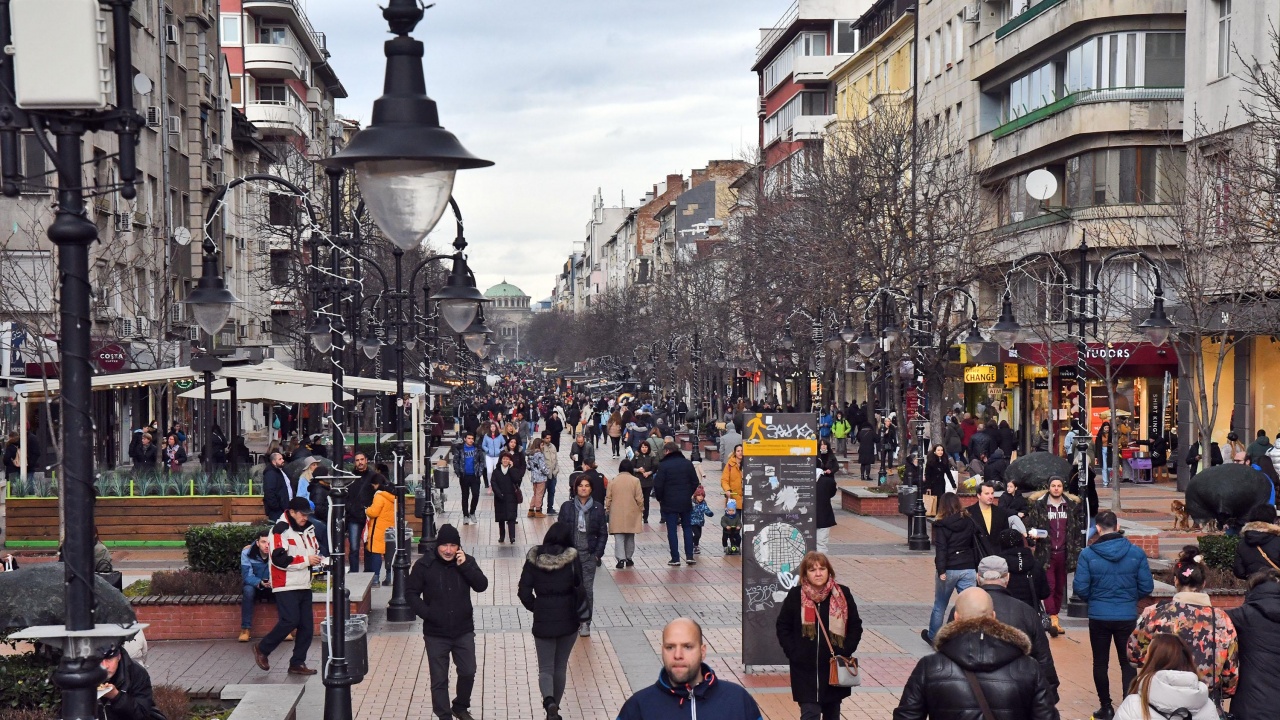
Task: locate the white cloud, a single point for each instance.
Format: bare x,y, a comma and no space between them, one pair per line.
564,96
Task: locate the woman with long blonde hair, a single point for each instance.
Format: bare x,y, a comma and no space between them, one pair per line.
1168,685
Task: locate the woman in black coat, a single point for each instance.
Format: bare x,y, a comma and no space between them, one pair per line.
1008,439
1258,636
586,521
1027,579
954,561
505,484
866,450
826,491
938,477
550,585
519,466
816,610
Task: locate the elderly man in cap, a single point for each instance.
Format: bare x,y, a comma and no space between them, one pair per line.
993,576
126,693
294,552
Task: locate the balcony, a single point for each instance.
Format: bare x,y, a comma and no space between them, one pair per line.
1106,226
1086,97
274,61
815,68
810,127
292,12
275,118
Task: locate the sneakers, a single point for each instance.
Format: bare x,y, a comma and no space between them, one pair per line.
244,634
631,563
924,635
551,511
463,715
621,564
584,629
1106,712
301,670
673,563
690,561
697,550
259,658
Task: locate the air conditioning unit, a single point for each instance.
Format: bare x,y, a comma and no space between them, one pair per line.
172,35
125,329
219,178
973,13
215,152
193,333
175,124
153,116
141,218
240,243
177,313
142,326
1018,216
104,313
124,222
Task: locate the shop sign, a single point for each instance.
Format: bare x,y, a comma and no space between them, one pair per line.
184,385
980,374
1035,371
1011,372
1040,383
111,358
1067,372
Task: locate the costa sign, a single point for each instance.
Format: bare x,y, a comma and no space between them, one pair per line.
111,358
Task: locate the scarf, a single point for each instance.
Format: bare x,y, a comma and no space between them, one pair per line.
837,610
582,512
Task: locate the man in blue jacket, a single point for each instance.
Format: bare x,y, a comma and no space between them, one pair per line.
256,576
686,686
1112,574
673,486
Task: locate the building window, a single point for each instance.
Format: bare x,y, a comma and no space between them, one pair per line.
274,94
281,324
237,87
805,44
273,35
34,167
27,282
1224,38
846,37
281,264
959,39
282,210
1126,176
230,28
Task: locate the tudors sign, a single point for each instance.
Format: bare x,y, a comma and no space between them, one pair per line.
111,358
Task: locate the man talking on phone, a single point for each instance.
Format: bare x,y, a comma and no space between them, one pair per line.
439,589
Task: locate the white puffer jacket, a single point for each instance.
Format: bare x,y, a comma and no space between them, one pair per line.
1170,691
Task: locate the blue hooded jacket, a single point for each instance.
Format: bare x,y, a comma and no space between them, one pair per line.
253,566
1113,574
711,699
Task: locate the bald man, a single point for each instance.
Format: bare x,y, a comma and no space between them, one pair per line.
687,687
977,647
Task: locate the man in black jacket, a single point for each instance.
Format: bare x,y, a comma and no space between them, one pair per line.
989,519
359,498
983,442
128,696
439,591
993,576
976,649
673,486
555,427
277,490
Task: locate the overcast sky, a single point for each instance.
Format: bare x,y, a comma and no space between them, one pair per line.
565,96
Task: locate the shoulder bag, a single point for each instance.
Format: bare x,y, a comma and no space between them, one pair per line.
842,671
981,696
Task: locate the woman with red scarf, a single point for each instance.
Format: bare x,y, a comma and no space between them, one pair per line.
817,609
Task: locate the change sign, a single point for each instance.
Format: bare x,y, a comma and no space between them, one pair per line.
778,525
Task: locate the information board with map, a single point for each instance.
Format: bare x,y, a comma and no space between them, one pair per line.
779,485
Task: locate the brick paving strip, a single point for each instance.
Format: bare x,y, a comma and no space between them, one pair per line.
893,588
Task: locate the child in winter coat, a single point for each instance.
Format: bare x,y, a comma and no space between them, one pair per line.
698,516
731,528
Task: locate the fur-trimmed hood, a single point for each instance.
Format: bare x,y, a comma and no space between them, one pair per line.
550,562
1035,495
1261,527
981,644
1257,534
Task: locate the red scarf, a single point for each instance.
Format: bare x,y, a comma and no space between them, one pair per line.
837,610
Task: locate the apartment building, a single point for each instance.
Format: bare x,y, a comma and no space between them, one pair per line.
793,61
878,74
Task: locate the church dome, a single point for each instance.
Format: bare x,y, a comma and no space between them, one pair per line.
504,289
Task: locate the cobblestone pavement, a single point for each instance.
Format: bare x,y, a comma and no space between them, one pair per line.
893,588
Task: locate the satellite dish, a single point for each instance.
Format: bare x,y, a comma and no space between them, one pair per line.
142,84
1041,184
325,105
182,236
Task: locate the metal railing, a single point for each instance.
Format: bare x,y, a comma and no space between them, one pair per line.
1085,97
779,28
1026,16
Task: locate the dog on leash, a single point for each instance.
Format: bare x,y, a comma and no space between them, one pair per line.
1181,518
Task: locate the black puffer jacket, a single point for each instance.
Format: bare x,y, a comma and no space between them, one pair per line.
548,589
674,483
1258,634
1257,539
597,524
998,656
1027,580
953,544
997,463
1017,614
807,655
439,592
826,490
135,701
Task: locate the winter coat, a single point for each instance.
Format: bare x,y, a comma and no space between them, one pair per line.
1013,503
699,513
493,445
1017,614
866,446
135,700
998,655
459,461
997,463
254,568
1257,625
624,504
275,492
825,492
597,525
504,483
981,444
1259,542
711,699
968,428
1027,579
937,473
552,459
953,544
548,588
580,455
828,464
1037,516
952,439
987,543
1113,574
439,592
729,440
537,464
809,657
614,429
841,428
674,483
382,515
647,462
1208,631
1170,691
1008,440
731,480
290,549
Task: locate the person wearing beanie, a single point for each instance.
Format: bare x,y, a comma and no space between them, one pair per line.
294,551
731,528
439,591
673,486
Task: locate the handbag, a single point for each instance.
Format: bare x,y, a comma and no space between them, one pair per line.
841,671
519,495
930,504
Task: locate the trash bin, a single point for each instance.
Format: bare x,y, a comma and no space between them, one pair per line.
907,499
357,645
440,477
419,502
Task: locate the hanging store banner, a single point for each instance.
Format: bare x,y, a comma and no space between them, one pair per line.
778,523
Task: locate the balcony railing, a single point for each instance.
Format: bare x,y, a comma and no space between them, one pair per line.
1085,97
778,29
1026,16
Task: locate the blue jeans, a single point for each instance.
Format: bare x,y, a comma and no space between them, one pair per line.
355,538
957,581
683,519
551,493
251,595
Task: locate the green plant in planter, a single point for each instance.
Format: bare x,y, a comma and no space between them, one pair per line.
216,548
1219,550
25,683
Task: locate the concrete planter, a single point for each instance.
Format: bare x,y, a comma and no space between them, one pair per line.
217,617
861,501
